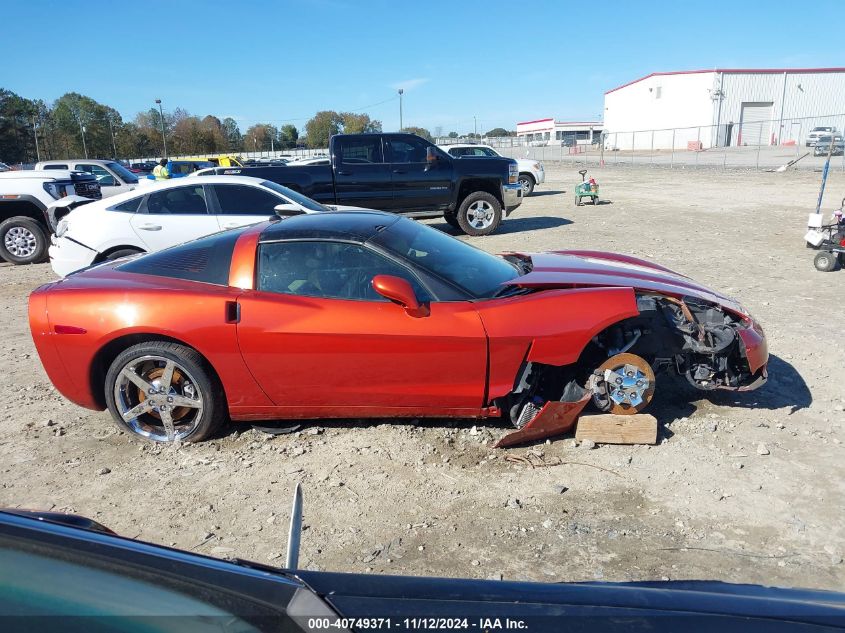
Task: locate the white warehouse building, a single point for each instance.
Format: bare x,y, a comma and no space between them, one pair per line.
697,109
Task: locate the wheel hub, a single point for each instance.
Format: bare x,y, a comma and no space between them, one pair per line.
623,384
20,241
480,215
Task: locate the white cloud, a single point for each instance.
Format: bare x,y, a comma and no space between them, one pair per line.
410,84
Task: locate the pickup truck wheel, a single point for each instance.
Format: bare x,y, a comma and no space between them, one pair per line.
22,241
479,214
526,181
451,220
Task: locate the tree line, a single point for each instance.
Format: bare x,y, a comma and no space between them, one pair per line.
75,125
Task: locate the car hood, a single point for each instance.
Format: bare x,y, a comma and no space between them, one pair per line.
591,269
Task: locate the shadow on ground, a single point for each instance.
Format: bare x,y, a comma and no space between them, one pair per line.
545,192
513,225
674,399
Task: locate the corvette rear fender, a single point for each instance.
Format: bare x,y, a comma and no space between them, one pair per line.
550,328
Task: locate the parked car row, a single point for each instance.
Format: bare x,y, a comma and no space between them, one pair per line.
169,213
406,174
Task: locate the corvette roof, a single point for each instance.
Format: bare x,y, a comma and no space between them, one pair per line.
351,225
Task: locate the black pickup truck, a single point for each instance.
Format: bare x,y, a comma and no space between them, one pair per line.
405,174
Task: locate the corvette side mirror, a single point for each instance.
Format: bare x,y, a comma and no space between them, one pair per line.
399,291
288,209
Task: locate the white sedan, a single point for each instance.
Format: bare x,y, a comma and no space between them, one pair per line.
168,213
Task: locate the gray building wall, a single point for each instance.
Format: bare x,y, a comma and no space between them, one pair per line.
800,101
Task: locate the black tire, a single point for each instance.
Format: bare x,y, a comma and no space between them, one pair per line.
27,240
468,208
451,220
123,252
595,200
202,379
526,181
825,261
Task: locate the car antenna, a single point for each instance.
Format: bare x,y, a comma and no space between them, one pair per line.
295,530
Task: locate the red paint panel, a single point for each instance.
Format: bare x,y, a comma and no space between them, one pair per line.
242,268
556,325
312,352
756,348
109,305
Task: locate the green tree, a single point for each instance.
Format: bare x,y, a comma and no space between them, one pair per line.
261,137
321,127
359,123
453,135
288,136
232,135
498,131
419,131
17,136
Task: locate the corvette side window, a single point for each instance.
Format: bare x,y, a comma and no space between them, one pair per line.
330,270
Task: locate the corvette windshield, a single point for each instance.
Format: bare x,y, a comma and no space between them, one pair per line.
479,273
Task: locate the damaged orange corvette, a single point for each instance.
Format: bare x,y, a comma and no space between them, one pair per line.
365,314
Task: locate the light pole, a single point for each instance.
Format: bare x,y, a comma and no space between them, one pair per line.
475,124
163,137
84,146
35,131
113,144
401,92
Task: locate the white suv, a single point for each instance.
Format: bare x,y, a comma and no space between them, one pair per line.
167,213
531,172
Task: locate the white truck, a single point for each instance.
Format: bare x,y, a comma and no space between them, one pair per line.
113,177
29,200
531,172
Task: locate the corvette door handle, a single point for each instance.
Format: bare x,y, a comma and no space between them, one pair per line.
399,171
344,173
150,227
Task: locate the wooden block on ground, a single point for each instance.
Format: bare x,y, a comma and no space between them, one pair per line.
607,428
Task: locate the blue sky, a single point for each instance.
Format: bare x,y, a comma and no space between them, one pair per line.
500,61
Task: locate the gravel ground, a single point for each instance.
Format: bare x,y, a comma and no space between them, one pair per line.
742,488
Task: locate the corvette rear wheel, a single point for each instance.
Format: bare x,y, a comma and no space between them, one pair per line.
629,384
164,392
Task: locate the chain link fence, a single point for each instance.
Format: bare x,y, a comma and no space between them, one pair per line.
751,145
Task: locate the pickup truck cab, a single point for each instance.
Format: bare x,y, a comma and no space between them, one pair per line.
113,177
404,173
27,199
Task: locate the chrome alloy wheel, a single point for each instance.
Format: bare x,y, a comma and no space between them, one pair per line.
158,399
480,215
626,385
20,242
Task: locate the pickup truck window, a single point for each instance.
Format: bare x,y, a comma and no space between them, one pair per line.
55,166
407,150
360,150
103,176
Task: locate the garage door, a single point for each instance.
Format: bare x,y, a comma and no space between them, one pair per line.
755,124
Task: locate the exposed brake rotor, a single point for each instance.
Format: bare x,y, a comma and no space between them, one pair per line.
179,412
623,384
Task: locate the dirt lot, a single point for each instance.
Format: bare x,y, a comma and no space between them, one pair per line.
436,499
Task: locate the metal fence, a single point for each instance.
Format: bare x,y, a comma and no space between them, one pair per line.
751,145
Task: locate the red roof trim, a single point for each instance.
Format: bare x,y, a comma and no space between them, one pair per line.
537,121
579,123
767,71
